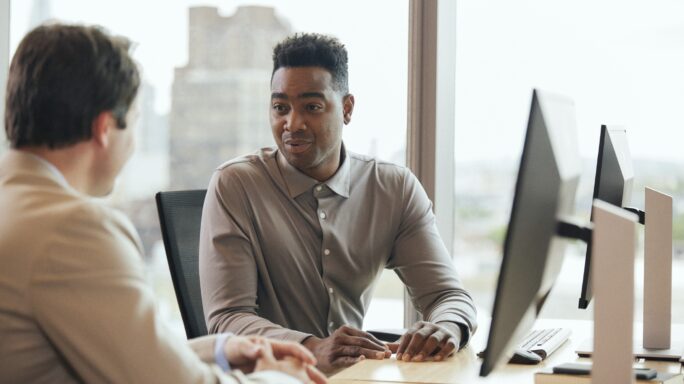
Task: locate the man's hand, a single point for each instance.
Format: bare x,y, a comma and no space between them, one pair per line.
427,339
255,353
345,347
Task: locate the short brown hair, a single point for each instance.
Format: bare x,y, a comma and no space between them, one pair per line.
61,78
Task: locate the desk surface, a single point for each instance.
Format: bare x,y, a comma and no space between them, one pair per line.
464,367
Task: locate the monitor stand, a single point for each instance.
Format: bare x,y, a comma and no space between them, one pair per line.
657,271
613,253
656,341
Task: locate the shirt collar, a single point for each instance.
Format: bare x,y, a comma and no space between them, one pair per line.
341,180
59,177
298,183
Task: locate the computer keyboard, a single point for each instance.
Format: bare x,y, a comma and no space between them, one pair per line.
544,342
538,345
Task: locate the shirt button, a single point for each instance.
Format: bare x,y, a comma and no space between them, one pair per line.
331,325
330,291
318,188
322,215
326,252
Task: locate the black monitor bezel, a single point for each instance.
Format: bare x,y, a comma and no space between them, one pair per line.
586,293
489,356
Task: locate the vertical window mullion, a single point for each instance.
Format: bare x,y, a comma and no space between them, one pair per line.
431,97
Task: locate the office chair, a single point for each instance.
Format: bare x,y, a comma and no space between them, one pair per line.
180,214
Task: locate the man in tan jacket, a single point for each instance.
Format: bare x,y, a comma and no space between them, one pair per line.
74,304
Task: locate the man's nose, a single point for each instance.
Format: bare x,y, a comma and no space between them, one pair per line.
295,122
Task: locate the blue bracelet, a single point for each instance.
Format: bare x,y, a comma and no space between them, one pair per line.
219,355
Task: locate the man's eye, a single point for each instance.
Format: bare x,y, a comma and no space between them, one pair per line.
279,108
314,107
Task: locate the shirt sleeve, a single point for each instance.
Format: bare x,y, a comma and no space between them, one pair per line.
423,263
90,298
227,264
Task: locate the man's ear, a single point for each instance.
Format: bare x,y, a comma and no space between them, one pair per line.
347,107
102,123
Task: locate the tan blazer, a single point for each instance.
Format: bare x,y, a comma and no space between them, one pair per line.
74,303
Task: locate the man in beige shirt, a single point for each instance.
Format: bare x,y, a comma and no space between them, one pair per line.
74,304
293,238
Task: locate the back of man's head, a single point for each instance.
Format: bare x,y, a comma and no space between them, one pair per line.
314,50
60,79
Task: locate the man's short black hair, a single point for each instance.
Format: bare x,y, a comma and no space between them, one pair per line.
61,78
314,50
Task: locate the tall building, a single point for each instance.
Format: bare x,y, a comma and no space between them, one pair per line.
220,98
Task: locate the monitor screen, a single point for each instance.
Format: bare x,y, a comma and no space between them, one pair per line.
545,191
612,184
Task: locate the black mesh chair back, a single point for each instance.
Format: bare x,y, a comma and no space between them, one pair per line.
180,215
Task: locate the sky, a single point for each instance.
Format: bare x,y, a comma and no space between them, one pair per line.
622,61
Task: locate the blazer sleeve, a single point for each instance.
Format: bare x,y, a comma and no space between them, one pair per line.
91,299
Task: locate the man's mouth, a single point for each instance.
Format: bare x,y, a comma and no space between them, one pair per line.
297,146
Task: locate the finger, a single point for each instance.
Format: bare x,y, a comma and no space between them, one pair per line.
354,351
416,345
250,350
346,361
405,340
367,340
393,347
432,343
360,342
285,348
240,350
403,343
315,375
363,335
447,349
266,352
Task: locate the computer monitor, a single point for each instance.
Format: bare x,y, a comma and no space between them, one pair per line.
612,184
544,193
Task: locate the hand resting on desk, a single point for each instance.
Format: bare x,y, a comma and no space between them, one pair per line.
426,339
346,346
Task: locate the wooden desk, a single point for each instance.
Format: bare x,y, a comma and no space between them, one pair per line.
464,367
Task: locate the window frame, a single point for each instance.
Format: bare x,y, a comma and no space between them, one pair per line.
431,113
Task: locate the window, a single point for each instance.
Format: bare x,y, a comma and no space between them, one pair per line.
204,98
620,61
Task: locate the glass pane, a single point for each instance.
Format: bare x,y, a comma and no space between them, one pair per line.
620,61
204,100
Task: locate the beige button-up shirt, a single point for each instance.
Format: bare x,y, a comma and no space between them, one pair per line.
286,256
